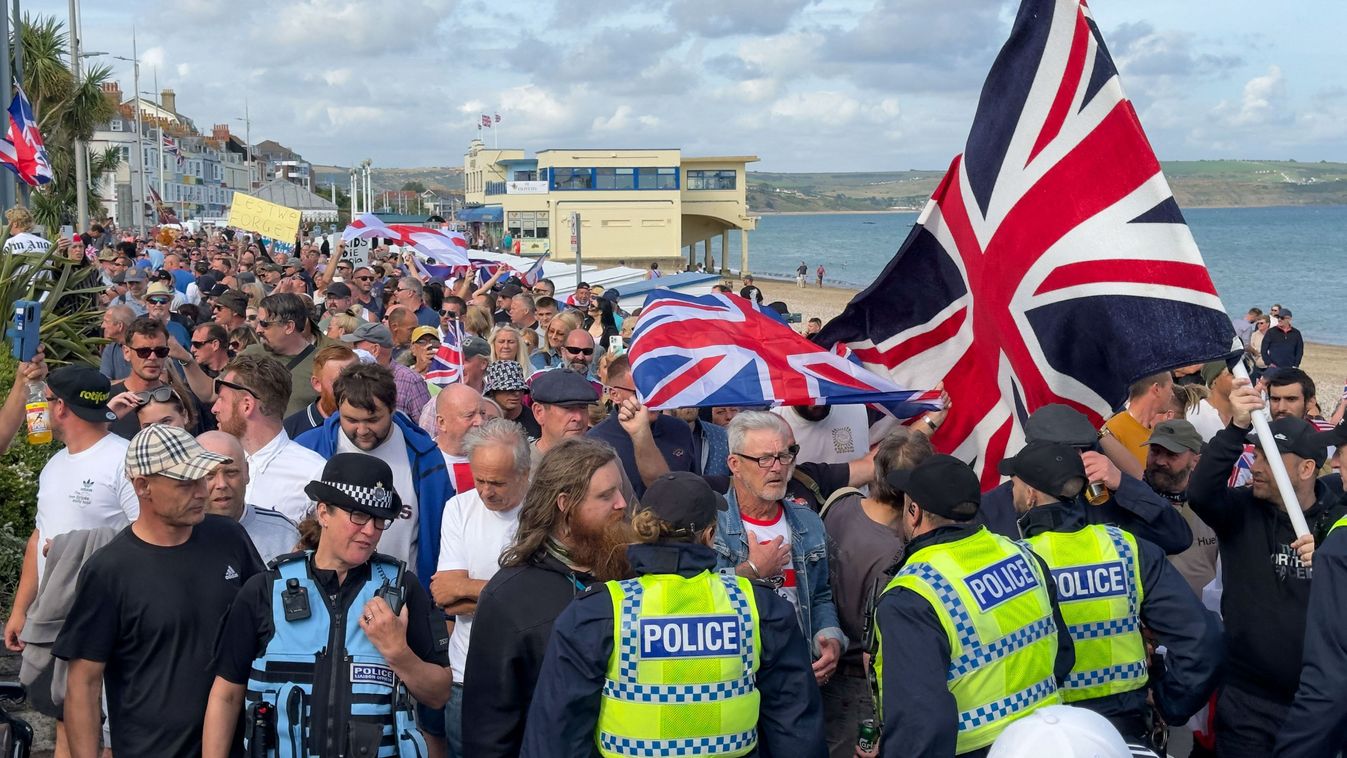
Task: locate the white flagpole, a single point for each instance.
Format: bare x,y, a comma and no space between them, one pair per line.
1274,459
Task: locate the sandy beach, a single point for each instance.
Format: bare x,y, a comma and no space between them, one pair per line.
1326,364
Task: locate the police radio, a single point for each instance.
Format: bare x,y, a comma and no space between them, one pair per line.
394,596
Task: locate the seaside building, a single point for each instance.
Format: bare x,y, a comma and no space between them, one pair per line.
634,205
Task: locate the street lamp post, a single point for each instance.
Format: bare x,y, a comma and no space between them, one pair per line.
81,154
138,186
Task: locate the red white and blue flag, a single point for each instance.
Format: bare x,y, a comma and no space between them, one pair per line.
438,250
446,365
696,351
22,149
535,272
1052,264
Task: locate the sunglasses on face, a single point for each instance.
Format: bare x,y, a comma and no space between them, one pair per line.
198,345
157,300
234,345
579,350
364,278
236,387
145,352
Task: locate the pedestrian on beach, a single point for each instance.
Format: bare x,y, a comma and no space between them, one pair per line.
800,274
819,272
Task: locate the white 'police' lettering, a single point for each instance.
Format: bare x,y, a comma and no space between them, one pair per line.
1090,582
689,636
371,673
1000,582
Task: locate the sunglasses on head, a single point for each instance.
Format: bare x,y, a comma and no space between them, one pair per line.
579,350
158,395
145,352
236,387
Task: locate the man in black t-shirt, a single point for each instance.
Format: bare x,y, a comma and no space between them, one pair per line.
750,291
148,606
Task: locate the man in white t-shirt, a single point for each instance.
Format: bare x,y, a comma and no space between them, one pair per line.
270,531
458,410
829,433
478,525
84,486
251,396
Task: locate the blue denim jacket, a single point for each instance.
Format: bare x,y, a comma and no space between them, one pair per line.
808,551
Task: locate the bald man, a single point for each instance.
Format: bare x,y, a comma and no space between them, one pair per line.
272,533
458,410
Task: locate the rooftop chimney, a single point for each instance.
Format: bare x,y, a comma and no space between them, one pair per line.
220,132
168,101
112,92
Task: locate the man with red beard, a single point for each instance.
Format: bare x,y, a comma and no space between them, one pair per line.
572,533
327,366
250,398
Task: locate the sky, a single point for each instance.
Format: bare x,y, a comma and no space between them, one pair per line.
806,85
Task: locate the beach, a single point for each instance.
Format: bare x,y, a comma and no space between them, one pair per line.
1326,364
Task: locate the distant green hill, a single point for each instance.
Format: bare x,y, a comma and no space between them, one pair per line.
1196,184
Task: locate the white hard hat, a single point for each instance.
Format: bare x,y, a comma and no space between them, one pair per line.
1060,731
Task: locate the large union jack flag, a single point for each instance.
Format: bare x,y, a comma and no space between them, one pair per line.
1052,264
446,366
690,351
22,150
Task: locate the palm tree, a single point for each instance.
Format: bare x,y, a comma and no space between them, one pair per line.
66,110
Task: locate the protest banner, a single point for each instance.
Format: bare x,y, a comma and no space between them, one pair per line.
267,219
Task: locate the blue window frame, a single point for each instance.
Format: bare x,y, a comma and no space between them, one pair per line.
707,179
572,178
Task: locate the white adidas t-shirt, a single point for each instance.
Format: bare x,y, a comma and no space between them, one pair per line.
84,491
472,537
842,437
767,531
401,538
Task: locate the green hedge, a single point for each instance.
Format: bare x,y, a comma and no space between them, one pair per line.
19,470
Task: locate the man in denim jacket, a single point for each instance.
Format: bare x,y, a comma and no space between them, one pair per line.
763,536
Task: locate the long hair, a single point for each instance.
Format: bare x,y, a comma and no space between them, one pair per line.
565,470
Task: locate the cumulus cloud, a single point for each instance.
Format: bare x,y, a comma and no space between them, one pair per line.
1259,103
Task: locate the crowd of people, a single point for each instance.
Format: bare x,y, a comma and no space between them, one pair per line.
268,531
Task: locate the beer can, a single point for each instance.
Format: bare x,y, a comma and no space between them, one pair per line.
867,735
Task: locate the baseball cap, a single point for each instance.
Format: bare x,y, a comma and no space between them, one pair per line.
1060,424
1212,370
357,482
684,500
1299,437
1176,435
234,300
425,331
562,387
941,484
370,332
1047,467
134,274
1285,313
163,450
84,390
338,289
475,347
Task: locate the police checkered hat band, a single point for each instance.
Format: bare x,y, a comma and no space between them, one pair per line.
357,482
164,450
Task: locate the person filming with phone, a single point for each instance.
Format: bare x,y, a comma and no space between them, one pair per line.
321,654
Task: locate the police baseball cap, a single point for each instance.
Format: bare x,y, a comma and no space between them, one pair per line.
357,482
1048,467
941,484
1060,424
1299,437
562,387
684,500
1176,436
84,390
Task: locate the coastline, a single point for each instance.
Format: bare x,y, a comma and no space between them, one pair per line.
1326,364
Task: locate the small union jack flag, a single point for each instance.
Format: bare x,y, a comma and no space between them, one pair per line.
446,366
1052,264
690,351
486,121
22,149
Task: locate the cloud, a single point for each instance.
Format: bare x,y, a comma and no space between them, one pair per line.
623,120
723,18
1260,102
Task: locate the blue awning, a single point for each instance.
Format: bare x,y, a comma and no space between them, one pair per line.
484,213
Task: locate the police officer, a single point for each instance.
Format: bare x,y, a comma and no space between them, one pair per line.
1108,584
320,652
967,634
680,660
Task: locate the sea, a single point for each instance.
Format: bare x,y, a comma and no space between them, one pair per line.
1295,256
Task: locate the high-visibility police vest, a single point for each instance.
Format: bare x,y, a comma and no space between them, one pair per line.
327,658
681,678
989,595
1099,591
1340,522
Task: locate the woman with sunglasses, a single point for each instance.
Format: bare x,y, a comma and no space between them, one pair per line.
322,654
162,405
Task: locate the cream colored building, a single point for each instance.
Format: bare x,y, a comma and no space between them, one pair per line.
634,205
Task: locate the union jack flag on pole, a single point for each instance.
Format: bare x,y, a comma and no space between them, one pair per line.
1052,264
696,351
446,366
22,150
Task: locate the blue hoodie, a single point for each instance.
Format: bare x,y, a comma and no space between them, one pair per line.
433,488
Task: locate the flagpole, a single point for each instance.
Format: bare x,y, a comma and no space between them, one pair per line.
17,24
161,138
6,177
81,155
1275,462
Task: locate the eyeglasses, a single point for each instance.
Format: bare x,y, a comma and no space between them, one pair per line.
198,345
612,387
158,395
360,518
766,461
364,278
145,352
158,300
541,290
234,345
267,323
237,387
451,314
579,350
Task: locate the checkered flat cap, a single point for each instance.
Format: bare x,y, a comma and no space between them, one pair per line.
162,450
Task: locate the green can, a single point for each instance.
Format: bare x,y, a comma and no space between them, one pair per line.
867,735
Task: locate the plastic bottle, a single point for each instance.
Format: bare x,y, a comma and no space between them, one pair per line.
39,414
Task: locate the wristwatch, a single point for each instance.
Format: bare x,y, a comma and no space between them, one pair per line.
931,422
